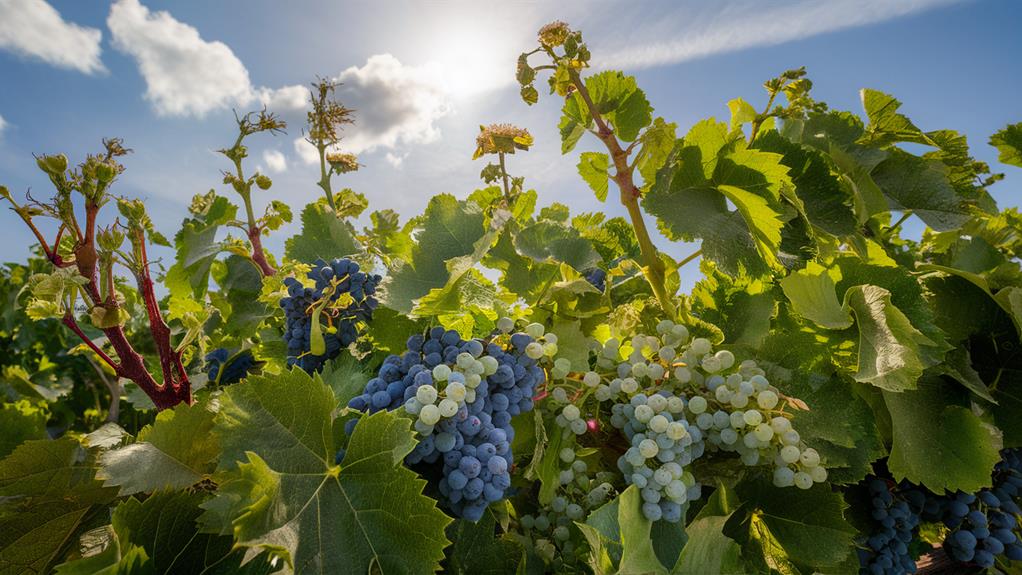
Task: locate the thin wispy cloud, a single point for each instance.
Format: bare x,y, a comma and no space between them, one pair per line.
3,125
688,32
34,29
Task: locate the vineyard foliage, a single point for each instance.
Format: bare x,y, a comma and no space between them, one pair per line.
499,385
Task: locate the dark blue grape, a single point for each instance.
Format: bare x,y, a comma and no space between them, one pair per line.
224,367
473,447
597,277
344,321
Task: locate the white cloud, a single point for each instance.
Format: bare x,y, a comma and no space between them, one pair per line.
34,28
186,75
3,124
735,26
286,98
275,161
395,160
396,105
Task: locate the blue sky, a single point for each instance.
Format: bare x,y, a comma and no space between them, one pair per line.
165,75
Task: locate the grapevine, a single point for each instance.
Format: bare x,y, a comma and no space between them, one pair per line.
505,384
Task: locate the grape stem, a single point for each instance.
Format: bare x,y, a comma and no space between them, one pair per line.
623,177
130,365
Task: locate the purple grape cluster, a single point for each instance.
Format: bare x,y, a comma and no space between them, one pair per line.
464,394
981,526
984,525
340,324
224,367
897,520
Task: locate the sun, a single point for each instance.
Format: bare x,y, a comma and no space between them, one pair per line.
472,57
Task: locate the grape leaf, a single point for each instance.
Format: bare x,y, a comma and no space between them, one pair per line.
48,494
889,346
1008,142
921,185
178,450
708,549
886,125
550,242
242,282
618,532
19,422
449,229
164,525
592,166
324,235
813,295
821,197
197,247
709,172
838,424
938,441
787,533
740,306
617,98
477,550
280,490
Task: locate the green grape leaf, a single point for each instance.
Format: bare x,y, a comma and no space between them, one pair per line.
619,532
177,451
572,344
593,166
617,98
708,549
347,376
449,229
1008,142
890,355
657,142
707,173
921,185
886,125
48,495
242,283
164,525
906,294
813,295
789,534
742,112
476,550
466,287
551,242
938,441
958,365
197,247
20,421
112,560
279,487
740,306
820,194
545,465
324,235
839,424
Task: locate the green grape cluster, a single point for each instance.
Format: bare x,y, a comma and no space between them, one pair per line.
676,399
581,491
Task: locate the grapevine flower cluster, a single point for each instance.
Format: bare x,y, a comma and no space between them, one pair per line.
978,527
225,367
463,395
675,399
323,319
